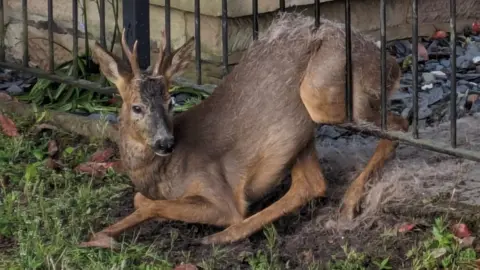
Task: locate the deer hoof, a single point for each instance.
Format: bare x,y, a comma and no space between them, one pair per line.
100,240
347,213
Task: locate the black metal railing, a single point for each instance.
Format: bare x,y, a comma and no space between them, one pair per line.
136,21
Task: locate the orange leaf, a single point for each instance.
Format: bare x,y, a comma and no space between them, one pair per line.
102,155
8,126
406,227
439,34
185,267
94,168
422,51
461,230
5,97
52,148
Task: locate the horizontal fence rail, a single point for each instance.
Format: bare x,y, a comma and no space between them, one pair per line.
136,22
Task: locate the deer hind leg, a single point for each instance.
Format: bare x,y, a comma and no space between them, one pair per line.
307,183
325,105
194,209
385,149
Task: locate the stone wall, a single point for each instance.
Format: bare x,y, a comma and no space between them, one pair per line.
365,17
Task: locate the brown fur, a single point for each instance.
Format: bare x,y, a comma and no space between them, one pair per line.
236,145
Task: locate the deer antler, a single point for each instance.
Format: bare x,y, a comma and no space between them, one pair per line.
132,56
158,64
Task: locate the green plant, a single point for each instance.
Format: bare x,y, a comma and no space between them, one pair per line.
441,251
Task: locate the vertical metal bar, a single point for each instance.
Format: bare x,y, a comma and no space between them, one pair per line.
198,51
75,37
453,78
383,64
85,26
2,32
136,21
348,66
317,13
168,45
51,60
415,66
225,36
25,32
255,19
282,5
103,39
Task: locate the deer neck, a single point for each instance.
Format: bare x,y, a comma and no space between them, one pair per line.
142,165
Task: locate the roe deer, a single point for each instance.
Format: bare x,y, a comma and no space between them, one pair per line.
206,164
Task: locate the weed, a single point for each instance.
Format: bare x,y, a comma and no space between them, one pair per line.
441,250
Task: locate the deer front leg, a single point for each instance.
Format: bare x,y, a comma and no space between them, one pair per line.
194,209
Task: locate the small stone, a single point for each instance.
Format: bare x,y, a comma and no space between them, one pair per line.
424,112
464,62
445,63
439,74
427,86
476,59
14,89
462,88
428,77
435,95
475,106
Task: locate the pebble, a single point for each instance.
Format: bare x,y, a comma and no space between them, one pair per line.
428,77
15,90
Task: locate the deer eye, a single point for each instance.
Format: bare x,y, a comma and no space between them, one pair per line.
137,109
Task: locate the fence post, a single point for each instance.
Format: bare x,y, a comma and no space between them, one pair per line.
136,20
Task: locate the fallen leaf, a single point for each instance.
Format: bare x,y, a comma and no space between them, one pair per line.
439,34
8,126
461,230
94,168
422,51
52,148
185,267
466,241
478,264
438,252
53,164
406,227
5,97
102,155
476,27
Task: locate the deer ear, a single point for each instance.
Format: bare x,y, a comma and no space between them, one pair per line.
110,67
180,59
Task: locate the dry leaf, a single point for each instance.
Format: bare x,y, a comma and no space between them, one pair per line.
8,126
53,164
439,34
476,27
52,148
466,241
102,155
422,51
461,230
5,97
185,267
406,227
94,168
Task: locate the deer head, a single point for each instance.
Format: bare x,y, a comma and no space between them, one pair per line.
146,114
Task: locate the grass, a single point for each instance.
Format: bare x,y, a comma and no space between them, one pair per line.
46,213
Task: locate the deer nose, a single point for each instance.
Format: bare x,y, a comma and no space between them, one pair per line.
165,145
